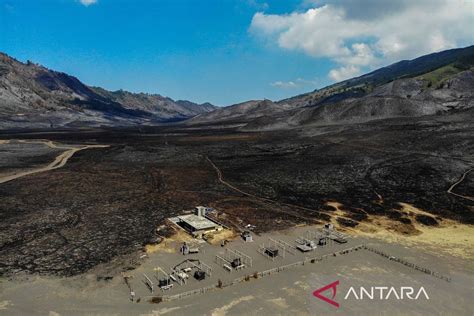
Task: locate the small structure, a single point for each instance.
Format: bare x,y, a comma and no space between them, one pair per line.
323,241
325,236
320,237
233,259
306,245
271,252
276,248
340,240
329,234
164,282
246,236
329,226
236,263
181,270
333,234
199,275
198,225
200,211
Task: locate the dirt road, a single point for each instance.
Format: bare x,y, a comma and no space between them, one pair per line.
451,188
263,199
58,162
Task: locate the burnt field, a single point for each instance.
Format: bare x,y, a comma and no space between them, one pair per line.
105,204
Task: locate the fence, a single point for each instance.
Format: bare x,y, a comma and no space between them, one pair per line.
408,264
261,274
255,275
201,290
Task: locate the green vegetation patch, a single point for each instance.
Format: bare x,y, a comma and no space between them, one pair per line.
436,77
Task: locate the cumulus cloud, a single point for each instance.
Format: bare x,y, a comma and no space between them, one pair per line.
344,72
87,2
364,34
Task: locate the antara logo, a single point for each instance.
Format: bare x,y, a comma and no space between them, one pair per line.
333,287
372,293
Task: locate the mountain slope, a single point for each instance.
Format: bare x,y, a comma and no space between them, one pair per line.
34,96
241,112
460,58
438,83
397,99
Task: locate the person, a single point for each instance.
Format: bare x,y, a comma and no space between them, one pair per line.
184,249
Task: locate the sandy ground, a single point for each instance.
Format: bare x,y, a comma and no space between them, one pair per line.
284,293
171,244
450,238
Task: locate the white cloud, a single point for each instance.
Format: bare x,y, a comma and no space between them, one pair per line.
359,39
257,4
284,84
293,84
344,72
88,2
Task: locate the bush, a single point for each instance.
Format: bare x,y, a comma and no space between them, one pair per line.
155,299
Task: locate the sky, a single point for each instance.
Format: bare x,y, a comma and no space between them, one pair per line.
224,51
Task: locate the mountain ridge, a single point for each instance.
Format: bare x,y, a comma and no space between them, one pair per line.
32,95
426,79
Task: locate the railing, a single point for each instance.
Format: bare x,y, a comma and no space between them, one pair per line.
268,272
260,274
408,264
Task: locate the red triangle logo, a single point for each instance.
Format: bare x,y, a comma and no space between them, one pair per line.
332,286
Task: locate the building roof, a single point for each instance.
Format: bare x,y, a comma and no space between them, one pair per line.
198,222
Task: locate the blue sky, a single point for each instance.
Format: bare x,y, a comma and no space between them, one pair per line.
219,51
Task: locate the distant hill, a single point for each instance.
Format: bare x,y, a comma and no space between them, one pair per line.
437,83
460,58
32,96
397,99
240,113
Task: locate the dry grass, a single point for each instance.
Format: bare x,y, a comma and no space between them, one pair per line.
171,244
450,237
218,237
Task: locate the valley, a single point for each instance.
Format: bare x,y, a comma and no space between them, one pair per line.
357,177
98,187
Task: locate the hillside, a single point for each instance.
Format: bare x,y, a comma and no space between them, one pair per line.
399,98
32,96
439,83
460,59
240,113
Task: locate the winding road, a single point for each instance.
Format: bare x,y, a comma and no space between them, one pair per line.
58,162
266,200
451,188
408,153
